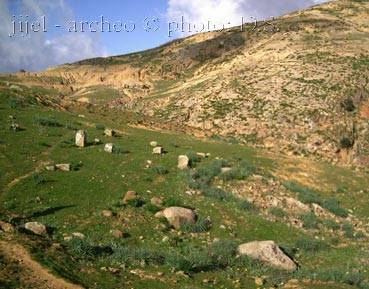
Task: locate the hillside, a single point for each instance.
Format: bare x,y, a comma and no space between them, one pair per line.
163,168
298,84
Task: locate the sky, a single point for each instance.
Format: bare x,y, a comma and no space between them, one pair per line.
37,34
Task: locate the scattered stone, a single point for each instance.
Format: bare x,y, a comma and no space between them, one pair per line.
63,167
259,281
6,227
157,150
117,233
81,138
225,170
97,141
109,147
156,201
107,213
268,252
15,127
183,162
36,228
16,87
50,168
177,216
165,239
148,164
296,206
154,144
201,155
129,196
78,235
109,132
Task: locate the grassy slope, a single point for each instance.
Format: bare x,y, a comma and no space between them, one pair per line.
72,201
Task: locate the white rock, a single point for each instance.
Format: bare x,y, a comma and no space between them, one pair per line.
109,132
36,228
157,150
154,144
109,148
81,138
269,253
183,162
63,167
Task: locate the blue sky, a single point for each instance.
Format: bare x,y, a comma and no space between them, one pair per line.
40,50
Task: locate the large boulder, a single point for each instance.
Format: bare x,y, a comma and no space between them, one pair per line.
267,252
183,162
81,138
36,228
177,216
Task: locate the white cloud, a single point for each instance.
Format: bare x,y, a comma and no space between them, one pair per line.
41,50
224,11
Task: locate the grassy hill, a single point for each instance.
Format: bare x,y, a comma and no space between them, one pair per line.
299,87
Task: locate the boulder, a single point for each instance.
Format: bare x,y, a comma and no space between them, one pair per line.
107,213
129,196
6,227
109,147
63,167
154,144
36,228
109,132
117,233
157,150
177,216
156,201
50,168
267,252
15,127
81,138
183,162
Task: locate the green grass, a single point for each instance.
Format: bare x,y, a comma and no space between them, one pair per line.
72,202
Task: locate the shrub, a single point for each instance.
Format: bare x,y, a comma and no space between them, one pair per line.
172,202
38,179
277,212
202,225
136,203
81,248
47,121
309,220
193,158
216,193
333,206
348,104
15,103
245,205
160,170
348,229
305,195
152,208
346,142
135,256
100,126
331,224
311,245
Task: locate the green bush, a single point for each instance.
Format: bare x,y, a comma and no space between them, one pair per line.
160,170
100,126
305,195
152,208
334,207
245,205
348,229
136,203
193,158
38,179
200,226
47,121
346,142
277,212
310,221
311,245
216,193
331,224
172,202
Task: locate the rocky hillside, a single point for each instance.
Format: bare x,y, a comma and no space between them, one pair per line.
297,84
